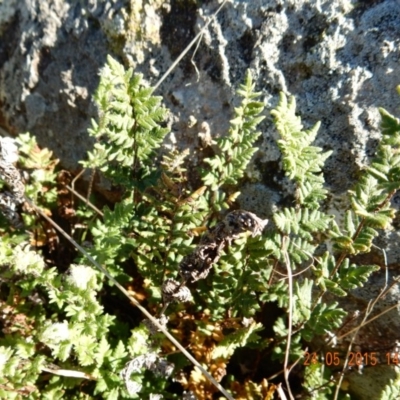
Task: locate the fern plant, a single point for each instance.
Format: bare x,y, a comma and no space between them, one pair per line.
128,130
63,320
234,151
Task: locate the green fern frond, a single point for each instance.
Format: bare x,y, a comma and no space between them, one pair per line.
235,151
286,120
324,318
41,185
303,301
386,168
302,222
347,240
392,390
363,241
390,126
369,202
301,161
311,192
128,130
352,276
370,199
239,338
299,250
317,380
323,269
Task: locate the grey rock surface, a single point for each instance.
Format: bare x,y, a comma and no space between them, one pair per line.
340,61
369,383
50,53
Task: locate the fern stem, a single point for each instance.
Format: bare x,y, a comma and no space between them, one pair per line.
135,198
387,200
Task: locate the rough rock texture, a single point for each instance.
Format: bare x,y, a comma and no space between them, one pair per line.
369,382
340,61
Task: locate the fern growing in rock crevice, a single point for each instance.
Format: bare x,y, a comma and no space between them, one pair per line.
160,230
168,215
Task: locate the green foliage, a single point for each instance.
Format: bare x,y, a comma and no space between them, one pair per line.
237,339
392,390
41,165
316,376
241,273
371,209
57,313
235,150
165,218
128,130
80,341
110,239
301,161
323,317
303,222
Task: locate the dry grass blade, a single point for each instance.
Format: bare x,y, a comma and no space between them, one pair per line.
190,45
364,323
286,369
281,393
68,373
339,384
85,200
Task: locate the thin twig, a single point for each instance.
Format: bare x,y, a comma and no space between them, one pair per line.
85,200
370,320
269,378
194,53
339,383
384,291
73,186
196,38
293,275
286,370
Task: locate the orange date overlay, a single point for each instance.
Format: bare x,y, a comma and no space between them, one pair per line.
354,359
